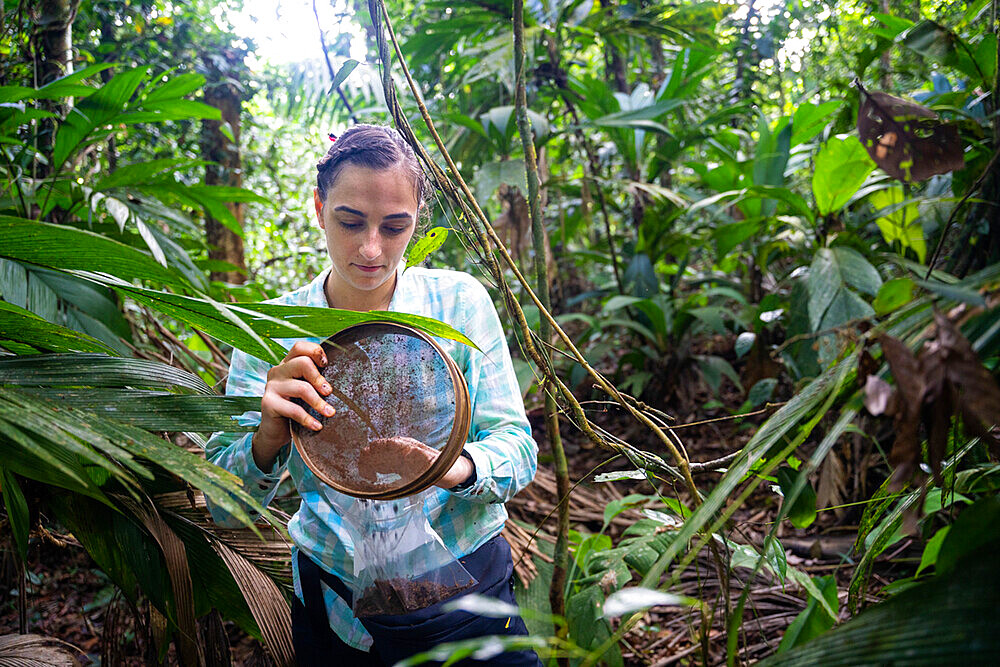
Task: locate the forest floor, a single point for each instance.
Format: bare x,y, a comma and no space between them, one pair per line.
70,599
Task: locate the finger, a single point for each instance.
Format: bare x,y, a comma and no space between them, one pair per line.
305,368
280,407
289,388
304,348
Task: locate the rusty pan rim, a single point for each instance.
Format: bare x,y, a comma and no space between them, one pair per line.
456,439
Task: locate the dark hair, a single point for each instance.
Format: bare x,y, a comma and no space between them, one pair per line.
373,147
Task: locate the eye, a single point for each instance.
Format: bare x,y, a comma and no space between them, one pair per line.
351,226
394,231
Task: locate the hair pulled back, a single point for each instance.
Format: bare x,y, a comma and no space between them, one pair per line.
375,147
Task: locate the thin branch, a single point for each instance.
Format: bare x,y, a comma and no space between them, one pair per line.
329,65
954,212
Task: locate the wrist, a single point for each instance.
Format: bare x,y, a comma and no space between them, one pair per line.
264,455
462,474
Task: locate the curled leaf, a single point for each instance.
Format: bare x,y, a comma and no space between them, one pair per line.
906,139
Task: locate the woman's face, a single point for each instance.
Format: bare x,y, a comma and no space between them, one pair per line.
369,216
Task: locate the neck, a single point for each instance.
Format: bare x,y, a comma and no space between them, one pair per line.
350,299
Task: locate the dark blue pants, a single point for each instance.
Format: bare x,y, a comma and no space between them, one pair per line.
399,637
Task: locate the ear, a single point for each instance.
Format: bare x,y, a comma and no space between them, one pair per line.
318,201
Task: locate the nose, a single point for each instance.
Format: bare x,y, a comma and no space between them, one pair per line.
370,247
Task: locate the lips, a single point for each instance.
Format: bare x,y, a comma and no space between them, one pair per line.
368,269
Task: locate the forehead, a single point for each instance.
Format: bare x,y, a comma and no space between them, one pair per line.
375,190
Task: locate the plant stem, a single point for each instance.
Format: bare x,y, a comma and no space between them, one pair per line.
538,233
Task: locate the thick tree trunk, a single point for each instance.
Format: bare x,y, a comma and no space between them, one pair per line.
54,39
53,49
227,169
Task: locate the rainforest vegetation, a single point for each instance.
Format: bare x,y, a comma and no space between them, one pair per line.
747,255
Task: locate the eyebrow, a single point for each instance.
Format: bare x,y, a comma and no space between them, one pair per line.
394,216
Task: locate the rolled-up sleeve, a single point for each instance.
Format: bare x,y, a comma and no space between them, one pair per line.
234,451
500,441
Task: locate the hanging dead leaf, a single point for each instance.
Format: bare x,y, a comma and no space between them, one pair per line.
943,380
907,140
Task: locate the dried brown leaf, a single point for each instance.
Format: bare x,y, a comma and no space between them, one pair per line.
267,604
906,139
175,557
36,651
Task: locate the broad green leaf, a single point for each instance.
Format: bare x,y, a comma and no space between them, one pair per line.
857,271
17,511
156,410
22,326
490,176
95,111
342,74
176,86
900,222
842,165
893,295
932,549
814,620
802,512
433,240
949,619
974,528
761,392
824,283
97,370
65,248
140,172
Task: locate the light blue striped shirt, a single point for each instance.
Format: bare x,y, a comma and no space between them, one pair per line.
499,440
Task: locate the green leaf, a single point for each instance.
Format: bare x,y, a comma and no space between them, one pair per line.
586,625
857,271
732,234
893,295
158,411
176,86
842,165
761,392
17,511
433,240
95,111
342,74
490,176
947,620
23,326
803,511
744,342
932,550
974,528
814,619
65,248
900,222
98,370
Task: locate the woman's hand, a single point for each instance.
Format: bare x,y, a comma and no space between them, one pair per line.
408,458
297,376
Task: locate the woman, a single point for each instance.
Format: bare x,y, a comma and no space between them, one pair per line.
370,194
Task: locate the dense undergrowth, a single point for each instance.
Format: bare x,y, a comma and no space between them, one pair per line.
773,323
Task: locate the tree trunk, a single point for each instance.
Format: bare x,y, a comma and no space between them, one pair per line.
613,59
54,40
226,169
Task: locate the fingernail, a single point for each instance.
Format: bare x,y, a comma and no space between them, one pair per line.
315,425
322,360
326,388
328,410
